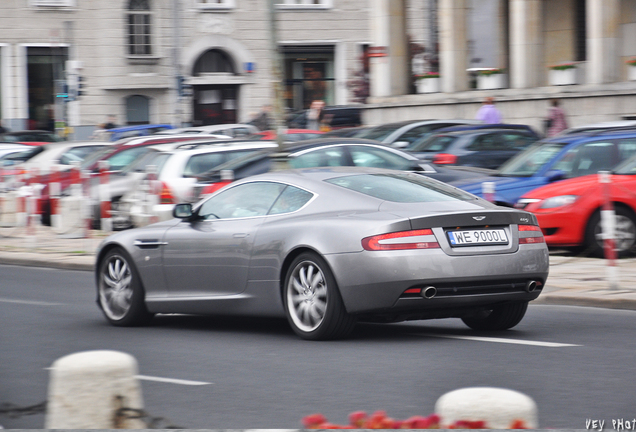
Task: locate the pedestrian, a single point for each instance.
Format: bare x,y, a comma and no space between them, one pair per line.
488,113
263,121
110,124
315,115
556,121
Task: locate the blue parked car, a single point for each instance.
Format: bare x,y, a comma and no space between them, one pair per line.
137,130
554,159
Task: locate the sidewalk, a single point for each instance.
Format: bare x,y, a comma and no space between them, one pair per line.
572,280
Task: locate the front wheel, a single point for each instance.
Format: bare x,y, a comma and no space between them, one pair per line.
625,233
313,304
119,291
502,317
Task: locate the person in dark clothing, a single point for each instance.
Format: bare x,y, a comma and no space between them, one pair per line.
110,124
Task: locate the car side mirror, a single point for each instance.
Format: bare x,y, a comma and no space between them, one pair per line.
555,175
182,211
400,144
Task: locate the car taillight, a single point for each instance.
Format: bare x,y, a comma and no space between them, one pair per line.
444,159
415,239
213,187
523,239
165,197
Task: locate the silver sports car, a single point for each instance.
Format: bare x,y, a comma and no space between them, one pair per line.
327,247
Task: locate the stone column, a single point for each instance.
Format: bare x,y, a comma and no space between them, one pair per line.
453,47
603,23
390,68
526,43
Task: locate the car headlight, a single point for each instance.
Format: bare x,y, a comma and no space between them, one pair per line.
558,201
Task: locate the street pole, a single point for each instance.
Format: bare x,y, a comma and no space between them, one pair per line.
176,62
277,76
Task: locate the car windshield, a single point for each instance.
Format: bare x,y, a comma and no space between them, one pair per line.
432,144
527,163
90,160
404,188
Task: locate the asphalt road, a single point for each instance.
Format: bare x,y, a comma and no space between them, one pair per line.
576,363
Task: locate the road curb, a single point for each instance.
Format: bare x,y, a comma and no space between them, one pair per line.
56,263
574,300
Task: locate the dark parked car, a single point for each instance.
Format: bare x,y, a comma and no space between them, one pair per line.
31,137
337,116
402,134
481,147
327,152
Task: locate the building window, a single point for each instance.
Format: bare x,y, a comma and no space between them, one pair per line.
139,28
308,75
137,110
215,4
53,3
304,4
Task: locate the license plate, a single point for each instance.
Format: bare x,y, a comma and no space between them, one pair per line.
477,237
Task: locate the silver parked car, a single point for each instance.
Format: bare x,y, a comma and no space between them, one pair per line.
328,247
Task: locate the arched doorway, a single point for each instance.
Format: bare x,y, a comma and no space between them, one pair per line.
215,103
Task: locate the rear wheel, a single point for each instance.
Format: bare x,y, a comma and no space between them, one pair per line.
625,234
501,317
313,304
119,290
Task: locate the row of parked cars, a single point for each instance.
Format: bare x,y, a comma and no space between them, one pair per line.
553,178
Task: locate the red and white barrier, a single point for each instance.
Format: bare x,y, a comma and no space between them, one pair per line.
87,216
608,227
55,190
104,197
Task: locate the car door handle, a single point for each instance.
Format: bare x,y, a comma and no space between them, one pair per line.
240,235
149,244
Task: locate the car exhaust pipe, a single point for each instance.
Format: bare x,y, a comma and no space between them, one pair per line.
531,286
429,292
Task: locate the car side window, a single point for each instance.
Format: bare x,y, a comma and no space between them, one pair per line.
290,200
487,142
201,163
415,133
588,158
331,156
515,141
245,200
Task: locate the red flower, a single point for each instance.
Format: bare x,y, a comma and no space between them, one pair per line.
313,420
357,418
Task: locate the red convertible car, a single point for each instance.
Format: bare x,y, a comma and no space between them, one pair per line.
569,211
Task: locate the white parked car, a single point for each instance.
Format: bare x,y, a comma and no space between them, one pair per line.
232,130
176,176
63,154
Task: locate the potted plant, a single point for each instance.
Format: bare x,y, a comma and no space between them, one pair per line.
428,82
491,78
563,74
631,69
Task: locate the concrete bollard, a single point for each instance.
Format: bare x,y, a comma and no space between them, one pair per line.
86,390
498,407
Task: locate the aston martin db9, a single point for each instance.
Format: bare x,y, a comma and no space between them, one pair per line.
327,247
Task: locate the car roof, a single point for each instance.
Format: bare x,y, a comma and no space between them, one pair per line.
225,146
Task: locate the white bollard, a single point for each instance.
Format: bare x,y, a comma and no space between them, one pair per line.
498,407
88,388
488,191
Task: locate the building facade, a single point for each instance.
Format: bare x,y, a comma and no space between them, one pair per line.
75,62
578,51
